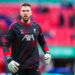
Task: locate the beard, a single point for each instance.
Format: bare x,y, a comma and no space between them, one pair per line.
25,18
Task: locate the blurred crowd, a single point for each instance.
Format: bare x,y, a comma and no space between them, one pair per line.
62,66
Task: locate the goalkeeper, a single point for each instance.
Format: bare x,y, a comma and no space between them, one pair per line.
23,37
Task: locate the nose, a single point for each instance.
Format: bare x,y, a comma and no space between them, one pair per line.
24,12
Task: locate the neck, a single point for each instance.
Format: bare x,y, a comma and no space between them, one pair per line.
25,21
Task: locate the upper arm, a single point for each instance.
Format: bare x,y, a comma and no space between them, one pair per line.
41,39
9,37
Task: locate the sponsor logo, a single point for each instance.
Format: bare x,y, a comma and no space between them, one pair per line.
28,37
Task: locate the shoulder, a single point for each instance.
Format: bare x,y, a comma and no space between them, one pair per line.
35,24
13,25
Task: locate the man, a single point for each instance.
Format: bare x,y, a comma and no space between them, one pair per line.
24,36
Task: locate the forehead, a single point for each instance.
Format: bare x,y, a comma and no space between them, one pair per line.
25,8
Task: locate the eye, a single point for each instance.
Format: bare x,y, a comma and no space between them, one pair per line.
23,10
27,10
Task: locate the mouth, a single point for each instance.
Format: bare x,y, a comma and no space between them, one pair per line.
25,16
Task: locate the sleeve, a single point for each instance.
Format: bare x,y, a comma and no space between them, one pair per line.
42,41
8,38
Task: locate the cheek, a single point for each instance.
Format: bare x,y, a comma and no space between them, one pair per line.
29,14
22,14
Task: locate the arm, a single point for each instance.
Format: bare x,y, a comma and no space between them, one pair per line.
44,47
42,42
9,37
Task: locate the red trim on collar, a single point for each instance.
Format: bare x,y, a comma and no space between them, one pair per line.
26,23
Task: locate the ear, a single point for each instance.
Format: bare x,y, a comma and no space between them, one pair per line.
20,12
31,12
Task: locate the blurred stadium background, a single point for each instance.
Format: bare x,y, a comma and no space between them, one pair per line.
57,20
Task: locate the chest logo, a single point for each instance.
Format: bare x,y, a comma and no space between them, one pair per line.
28,37
22,32
34,30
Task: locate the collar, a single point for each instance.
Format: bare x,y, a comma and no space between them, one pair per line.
26,23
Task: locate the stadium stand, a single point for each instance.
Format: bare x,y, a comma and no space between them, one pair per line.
49,23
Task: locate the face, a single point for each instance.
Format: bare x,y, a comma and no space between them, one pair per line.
25,13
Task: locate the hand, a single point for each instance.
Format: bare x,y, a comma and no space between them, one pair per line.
47,58
13,66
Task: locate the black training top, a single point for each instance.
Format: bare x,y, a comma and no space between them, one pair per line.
24,39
